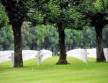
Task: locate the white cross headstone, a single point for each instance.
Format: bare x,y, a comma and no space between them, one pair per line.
42,55
78,53
106,53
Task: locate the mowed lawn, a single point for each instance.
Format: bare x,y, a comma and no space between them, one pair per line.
49,72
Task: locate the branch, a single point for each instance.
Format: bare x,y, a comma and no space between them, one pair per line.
4,2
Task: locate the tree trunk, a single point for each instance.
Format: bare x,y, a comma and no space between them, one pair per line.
99,45
62,57
18,62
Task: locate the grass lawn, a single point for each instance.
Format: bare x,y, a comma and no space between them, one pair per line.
49,72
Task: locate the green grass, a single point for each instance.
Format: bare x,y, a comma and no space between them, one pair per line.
49,72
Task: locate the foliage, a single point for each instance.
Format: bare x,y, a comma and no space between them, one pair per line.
3,17
96,11
57,11
80,39
6,38
46,36
17,9
38,36
105,36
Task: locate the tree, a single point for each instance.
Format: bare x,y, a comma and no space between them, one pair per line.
51,11
60,14
56,14
17,12
97,12
69,17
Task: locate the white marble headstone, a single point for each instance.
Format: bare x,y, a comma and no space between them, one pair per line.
42,55
12,59
4,56
91,52
106,53
79,54
29,54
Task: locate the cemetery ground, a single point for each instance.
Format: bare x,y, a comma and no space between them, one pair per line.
49,72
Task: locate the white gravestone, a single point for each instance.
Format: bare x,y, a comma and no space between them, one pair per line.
42,55
29,54
91,53
12,59
4,56
106,53
79,54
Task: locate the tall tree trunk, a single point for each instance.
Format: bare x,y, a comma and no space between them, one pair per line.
18,62
99,45
62,57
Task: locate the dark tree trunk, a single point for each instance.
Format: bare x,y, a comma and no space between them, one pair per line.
18,62
62,57
99,45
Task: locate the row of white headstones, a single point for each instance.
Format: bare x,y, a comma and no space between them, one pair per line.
82,54
44,54
40,55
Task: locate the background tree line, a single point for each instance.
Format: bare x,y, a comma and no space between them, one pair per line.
46,36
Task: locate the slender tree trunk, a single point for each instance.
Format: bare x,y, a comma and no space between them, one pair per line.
62,58
99,45
18,62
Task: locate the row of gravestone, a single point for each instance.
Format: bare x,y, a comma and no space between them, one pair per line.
40,55
27,54
77,53
82,54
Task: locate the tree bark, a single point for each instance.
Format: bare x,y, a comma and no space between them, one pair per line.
99,45
18,62
62,57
